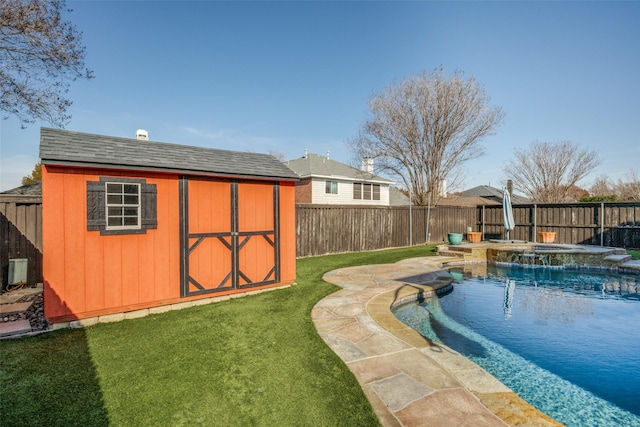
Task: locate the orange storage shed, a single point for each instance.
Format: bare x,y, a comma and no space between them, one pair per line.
130,224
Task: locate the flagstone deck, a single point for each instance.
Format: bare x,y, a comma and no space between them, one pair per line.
410,380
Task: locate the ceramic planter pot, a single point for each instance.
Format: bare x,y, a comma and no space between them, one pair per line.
546,236
474,236
454,238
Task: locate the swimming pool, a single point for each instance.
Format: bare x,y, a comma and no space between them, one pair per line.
567,341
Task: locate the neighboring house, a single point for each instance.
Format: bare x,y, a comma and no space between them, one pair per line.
28,190
495,194
397,197
466,201
325,181
130,224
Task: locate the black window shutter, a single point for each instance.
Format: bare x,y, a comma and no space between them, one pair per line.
149,214
96,200
95,206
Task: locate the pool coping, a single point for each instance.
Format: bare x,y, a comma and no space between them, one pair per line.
408,379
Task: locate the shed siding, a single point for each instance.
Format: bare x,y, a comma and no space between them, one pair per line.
210,212
256,213
87,274
287,232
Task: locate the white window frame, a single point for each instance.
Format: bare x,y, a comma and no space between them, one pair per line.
331,187
122,205
366,191
357,191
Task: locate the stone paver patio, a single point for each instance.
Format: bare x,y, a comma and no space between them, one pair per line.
409,380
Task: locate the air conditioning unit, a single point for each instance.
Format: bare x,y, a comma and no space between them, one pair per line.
17,271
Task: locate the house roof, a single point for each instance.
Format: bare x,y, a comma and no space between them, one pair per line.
463,201
493,193
62,147
33,189
397,197
315,165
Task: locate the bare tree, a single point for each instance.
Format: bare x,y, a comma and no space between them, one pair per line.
602,186
41,54
422,130
629,190
278,155
547,172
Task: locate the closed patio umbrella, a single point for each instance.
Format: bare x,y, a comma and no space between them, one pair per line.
509,223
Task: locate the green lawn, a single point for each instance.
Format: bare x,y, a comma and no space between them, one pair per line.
251,361
634,254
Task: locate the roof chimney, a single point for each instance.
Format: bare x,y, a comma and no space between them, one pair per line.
142,135
367,164
327,154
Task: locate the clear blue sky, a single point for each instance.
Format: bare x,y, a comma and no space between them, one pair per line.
285,76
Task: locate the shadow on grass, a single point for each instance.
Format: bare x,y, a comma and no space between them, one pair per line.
50,380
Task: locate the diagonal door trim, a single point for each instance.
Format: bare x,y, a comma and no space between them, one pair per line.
233,240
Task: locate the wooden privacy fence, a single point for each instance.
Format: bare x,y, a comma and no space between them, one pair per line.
335,229
323,229
604,224
21,235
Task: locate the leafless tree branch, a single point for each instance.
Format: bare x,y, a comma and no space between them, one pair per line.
549,172
422,129
40,54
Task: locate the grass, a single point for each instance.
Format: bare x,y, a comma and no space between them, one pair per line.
635,254
256,360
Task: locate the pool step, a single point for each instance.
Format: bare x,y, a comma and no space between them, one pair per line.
470,252
631,265
618,258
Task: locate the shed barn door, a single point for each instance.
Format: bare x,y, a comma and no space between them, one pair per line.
229,235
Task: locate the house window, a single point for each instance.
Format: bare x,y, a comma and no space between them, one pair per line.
376,192
331,187
357,190
121,206
364,191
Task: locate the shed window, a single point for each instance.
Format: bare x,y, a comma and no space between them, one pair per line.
331,187
121,206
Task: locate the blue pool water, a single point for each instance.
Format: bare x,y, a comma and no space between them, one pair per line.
567,341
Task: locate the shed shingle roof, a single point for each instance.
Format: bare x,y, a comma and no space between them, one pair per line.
65,147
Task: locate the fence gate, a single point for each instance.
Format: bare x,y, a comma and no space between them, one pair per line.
229,237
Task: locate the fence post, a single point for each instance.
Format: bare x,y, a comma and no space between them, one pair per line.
426,232
410,221
535,223
601,219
